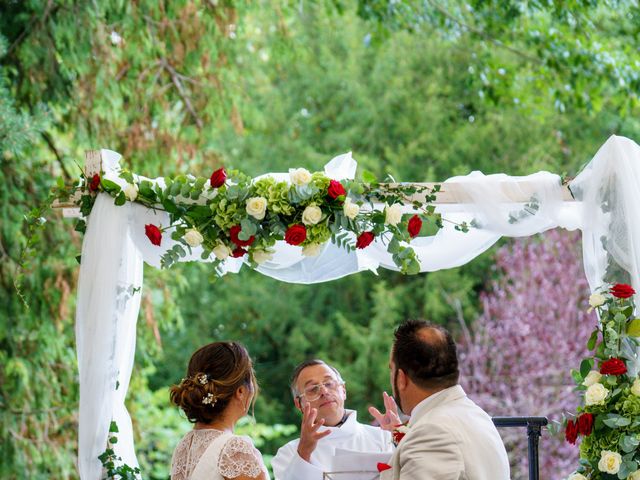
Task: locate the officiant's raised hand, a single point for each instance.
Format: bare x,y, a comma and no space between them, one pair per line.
309,434
390,419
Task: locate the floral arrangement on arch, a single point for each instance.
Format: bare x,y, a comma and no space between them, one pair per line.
231,215
608,421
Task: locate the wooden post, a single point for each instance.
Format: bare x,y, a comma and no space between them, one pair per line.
92,165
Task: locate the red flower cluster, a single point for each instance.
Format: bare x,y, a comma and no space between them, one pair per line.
613,366
622,290
582,426
238,252
295,234
585,424
414,226
95,183
571,432
218,178
153,233
233,233
364,239
336,190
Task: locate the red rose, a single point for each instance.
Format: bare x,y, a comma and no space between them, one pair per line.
364,239
622,290
613,366
585,424
397,436
233,233
415,224
295,234
238,252
218,178
383,466
336,190
154,234
95,183
571,432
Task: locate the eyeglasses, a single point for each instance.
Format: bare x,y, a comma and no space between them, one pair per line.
314,392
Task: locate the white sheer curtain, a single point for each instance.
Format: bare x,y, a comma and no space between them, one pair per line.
115,247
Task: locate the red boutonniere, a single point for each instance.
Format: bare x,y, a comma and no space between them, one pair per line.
383,466
398,433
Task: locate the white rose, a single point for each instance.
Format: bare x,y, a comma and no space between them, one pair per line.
299,176
576,476
261,256
634,476
131,192
393,214
257,207
609,462
221,251
350,209
595,394
595,300
635,388
311,215
312,250
193,237
592,378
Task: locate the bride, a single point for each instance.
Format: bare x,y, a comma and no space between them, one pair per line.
219,388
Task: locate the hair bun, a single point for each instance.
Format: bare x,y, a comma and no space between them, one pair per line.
215,373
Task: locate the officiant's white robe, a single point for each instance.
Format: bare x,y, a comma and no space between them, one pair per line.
352,435
449,438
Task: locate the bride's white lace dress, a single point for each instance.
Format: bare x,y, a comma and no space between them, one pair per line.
214,455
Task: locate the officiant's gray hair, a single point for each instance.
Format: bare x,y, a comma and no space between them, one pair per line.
302,366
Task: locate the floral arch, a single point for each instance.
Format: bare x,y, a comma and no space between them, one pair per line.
300,227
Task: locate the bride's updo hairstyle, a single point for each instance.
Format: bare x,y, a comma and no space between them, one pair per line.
214,374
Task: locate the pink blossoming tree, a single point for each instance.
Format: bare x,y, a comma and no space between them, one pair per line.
516,357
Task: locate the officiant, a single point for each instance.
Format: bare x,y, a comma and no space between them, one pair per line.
319,393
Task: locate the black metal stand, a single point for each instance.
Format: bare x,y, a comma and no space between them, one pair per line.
534,431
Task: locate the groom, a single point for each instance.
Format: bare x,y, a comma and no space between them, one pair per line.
448,437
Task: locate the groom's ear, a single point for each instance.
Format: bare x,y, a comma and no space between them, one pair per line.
402,380
296,402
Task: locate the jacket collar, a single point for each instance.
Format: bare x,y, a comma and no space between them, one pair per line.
443,396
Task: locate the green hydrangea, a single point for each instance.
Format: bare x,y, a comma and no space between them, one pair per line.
591,446
277,195
321,182
226,213
630,406
317,234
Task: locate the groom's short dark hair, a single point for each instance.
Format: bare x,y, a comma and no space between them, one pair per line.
427,354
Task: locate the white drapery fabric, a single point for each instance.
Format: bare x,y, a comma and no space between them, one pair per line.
115,246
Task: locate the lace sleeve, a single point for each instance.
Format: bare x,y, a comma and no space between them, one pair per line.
240,457
179,468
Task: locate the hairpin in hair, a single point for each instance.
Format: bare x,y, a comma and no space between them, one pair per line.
203,379
209,399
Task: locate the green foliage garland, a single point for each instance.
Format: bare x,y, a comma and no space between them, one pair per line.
205,212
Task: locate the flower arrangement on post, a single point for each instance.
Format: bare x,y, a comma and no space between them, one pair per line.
608,421
232,215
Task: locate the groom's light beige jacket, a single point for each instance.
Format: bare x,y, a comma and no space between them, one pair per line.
449,438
